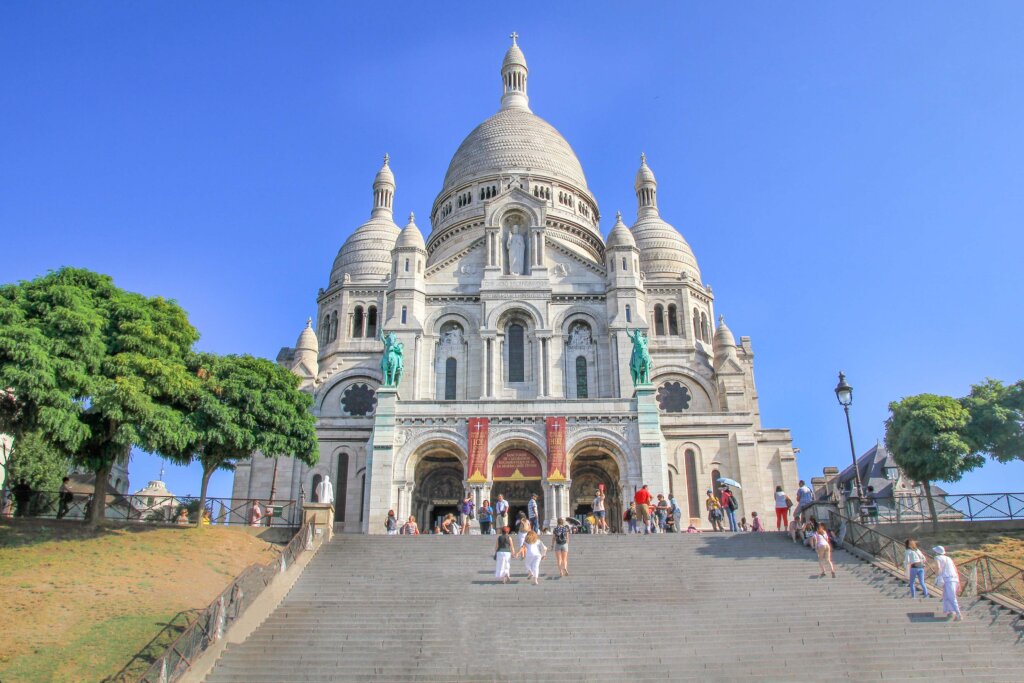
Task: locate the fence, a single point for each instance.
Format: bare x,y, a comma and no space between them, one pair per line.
154,509
963,507
980,576
211,624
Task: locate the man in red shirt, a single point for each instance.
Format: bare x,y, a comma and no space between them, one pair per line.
643,507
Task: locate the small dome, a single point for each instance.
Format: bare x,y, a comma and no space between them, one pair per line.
663,251
384,175
620,236
644,175
723,336
307,339
411,236
366,254
514,56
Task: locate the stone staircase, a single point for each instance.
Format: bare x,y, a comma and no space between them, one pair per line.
710,607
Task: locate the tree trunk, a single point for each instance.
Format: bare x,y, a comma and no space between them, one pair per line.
207,473
98,513
931,506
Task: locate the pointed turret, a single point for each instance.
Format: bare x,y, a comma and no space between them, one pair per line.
620,236
646,190
383,190
307,349
513,78
724,344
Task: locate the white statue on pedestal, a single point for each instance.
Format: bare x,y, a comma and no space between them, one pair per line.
516,248
325,491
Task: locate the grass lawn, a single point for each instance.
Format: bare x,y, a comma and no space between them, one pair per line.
79,603
1007,546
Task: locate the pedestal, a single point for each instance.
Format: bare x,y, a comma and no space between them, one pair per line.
322,516
653,468
380,466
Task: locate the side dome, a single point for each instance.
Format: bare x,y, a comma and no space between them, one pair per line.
663,251
514,140
366,254
620,236
411,237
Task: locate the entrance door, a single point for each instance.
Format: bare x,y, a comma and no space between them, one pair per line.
518,493
590,469
516,474
438,489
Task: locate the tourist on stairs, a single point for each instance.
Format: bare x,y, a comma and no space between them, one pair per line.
949,578
756,524
501,512
821,545
782,505
410,528
485,514
729,506
599,512
503,551
448,526
533,513
914,560
642,498
466,513
523,527
560,542
391,523
714,511
533,551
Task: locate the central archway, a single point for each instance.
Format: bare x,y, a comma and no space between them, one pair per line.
516,474
591,468
438,487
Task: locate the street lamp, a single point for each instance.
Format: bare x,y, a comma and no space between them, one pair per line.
844,392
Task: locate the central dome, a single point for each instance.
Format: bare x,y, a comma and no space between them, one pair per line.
514,140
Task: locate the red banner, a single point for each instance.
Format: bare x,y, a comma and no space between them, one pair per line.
556,448
478,428
516,464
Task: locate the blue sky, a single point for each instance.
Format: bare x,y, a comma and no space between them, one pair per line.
849,176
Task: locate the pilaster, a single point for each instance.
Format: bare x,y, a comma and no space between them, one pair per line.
653,467
380,466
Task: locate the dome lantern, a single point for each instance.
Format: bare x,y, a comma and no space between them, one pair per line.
383,190
646,190
513,78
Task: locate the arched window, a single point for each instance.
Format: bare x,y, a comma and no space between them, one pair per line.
333,330
325,330
404,314
659,320
407,265
357,322
419,266
624,268
516,353
371,322
313,496
341,488
705,335
629,314
581,377
450,378
696,325
715,476
673,320
692,495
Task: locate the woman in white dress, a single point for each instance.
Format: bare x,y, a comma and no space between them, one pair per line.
949,578
534,551
523,527
503,551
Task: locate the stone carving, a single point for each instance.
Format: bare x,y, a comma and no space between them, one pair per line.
358,400
516,246
561,270
401,436
579,337
391,362
346,279
451,338
467,269
673,397
640,360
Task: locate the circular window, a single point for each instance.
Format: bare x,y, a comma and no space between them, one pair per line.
673,397
358,400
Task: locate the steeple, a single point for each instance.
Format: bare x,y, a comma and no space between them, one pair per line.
383,190
513,78
646,190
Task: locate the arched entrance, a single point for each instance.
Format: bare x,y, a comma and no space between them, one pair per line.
591,467
438,487
516,474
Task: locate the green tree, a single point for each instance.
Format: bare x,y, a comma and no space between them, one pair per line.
94,370
35,461
244,405
997,419
925,435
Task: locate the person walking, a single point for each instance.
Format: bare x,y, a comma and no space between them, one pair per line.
533,512
466,513
391,523
642,498
729,506
523,527
501,512
714,507
599,512
560,543
533,550
410,528
782,505
804,499
677,514
914,560
503,551
630,518
821,545
663,509
755,524
949,578
64,498
485,514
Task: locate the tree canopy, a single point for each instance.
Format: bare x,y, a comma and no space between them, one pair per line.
997,419
924,435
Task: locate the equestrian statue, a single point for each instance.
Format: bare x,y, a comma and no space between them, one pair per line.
391,363
640,360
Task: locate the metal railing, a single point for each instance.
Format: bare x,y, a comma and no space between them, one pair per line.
962,507
212,623
171,510
983,576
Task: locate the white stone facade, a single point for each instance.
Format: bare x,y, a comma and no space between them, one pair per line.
516,310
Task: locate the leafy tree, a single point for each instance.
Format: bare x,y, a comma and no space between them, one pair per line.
244,405
93,369
35,461
997,419
924,434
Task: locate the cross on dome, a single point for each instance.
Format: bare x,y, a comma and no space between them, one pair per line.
514,36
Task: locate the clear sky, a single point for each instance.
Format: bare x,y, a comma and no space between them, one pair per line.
850,177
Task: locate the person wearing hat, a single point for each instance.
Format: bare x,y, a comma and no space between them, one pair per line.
949,578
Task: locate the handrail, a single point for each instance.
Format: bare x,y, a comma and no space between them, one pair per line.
212,623
949,507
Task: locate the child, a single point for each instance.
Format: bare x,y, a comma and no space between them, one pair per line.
743,523
756,526
692,530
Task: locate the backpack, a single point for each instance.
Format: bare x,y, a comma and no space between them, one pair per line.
732,503
560,535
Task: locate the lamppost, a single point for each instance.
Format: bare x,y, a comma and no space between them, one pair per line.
844,392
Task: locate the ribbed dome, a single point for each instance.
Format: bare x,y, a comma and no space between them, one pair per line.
514,57
663,251
723,336
307,339
411,236
366,254
514,140
620,236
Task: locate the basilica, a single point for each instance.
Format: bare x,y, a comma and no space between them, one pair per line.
511,327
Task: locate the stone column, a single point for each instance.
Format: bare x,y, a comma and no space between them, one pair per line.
653,467
380,463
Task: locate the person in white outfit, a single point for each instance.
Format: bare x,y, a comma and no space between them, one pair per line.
534,551
949,578
503,551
